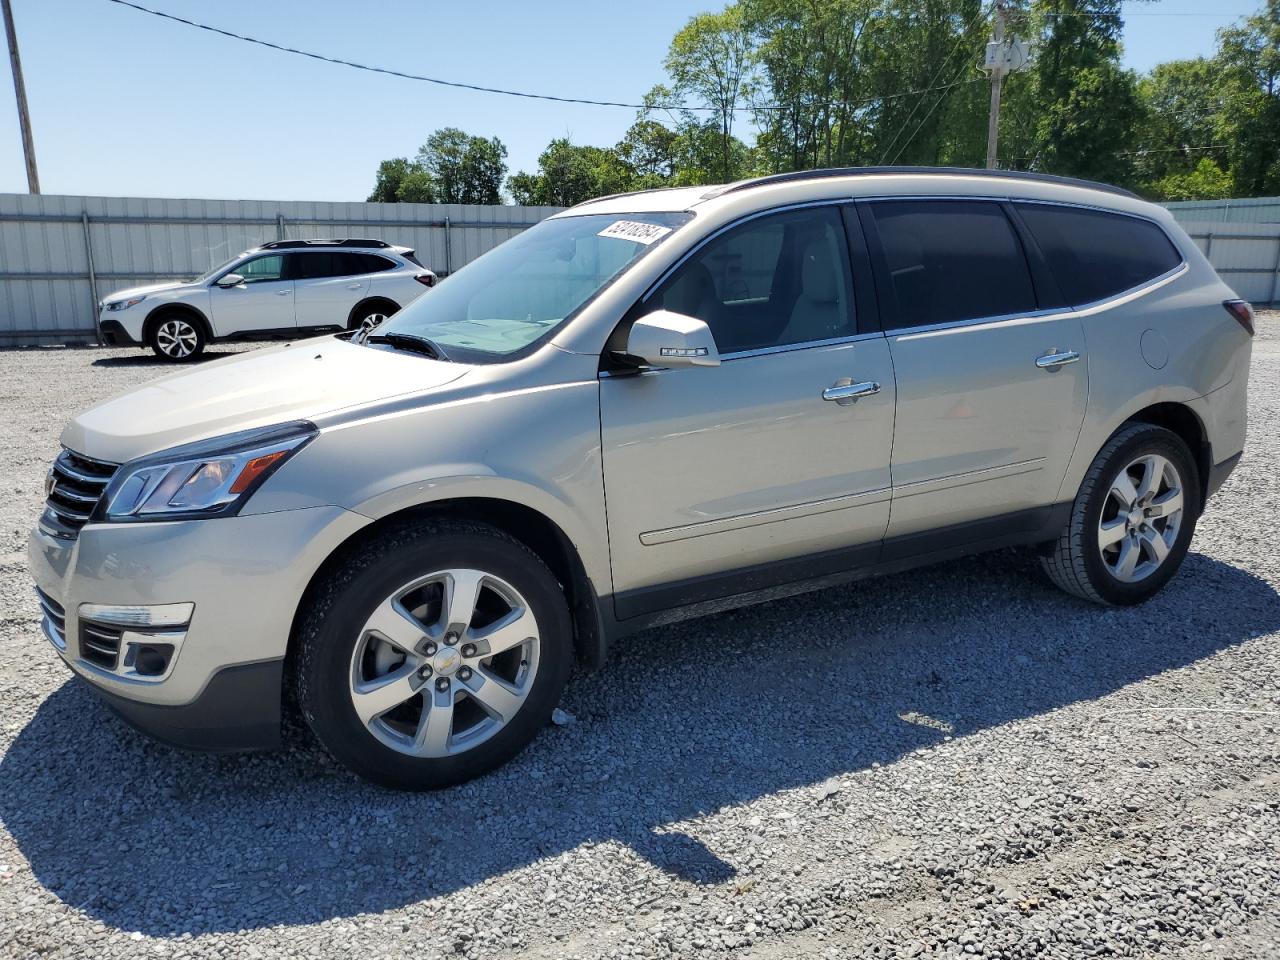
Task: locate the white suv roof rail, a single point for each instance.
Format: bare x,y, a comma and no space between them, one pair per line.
297,244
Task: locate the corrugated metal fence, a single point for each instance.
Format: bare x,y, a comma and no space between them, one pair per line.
59,255
1241,238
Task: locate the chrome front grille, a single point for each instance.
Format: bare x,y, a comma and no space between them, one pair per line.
75,485
54,623
100,645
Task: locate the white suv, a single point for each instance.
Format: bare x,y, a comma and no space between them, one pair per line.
279,289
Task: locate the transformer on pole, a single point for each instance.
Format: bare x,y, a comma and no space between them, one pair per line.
1003,57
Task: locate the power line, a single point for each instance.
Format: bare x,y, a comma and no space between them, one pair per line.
370,68
960,40
498,90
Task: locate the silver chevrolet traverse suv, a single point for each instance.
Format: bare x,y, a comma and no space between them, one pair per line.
649,406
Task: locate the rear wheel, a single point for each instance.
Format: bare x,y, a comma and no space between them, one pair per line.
1132,521
434,655
177,337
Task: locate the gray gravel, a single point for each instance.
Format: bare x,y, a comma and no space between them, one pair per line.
959,761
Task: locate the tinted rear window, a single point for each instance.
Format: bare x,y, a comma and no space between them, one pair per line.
1095,255
354,263
951,260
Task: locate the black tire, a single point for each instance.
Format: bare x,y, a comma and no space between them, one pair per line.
369,312
1075,562
341,605
177,337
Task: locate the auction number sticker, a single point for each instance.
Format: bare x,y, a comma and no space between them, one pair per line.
635,231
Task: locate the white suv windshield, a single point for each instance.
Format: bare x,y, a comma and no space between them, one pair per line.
521,291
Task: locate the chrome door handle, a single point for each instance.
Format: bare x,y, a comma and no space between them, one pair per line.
283,293
354,286
1057,359
845,391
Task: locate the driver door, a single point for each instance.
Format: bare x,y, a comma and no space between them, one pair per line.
723,480
263,302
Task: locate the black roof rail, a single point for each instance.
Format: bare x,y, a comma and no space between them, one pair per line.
939,171
298,244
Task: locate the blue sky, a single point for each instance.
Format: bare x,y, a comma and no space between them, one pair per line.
126,104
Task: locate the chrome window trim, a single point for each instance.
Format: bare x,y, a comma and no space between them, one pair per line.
1052,313
749,354
801,345
1048,313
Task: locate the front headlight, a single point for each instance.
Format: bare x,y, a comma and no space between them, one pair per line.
212,478
114,305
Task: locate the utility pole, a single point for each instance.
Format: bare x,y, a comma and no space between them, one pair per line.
20,91
998,69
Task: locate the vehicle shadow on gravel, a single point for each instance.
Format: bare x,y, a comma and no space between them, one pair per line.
684,721
139,359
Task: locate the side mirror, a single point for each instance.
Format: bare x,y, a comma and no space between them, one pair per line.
666,339
230,280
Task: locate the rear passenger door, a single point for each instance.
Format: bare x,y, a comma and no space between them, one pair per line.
329,284
991,384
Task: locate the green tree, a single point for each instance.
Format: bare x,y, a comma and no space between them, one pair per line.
710,60
391,174
463,168
1249,58
1083,107
416,187
1205,181
1178,137
653,151
569,173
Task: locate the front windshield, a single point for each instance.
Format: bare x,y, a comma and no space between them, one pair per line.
522,290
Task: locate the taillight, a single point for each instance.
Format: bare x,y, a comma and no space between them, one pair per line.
1243,313
426,279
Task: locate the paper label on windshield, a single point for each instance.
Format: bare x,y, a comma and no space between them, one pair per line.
635,231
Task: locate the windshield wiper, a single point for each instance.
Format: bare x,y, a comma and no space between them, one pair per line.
408,341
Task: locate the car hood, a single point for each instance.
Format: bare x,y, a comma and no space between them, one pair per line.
129,292
298,381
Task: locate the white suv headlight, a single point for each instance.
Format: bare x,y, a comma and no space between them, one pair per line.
114,305
208,479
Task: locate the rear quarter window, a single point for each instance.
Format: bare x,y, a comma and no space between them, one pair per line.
1095,255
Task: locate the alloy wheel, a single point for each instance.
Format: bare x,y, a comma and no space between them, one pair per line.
1141,518
444,663
177,339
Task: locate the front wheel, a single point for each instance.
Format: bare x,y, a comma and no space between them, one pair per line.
370,316
434,655
176,337
1132,521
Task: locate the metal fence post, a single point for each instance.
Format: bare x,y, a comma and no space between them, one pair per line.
93,277
1208,245
448,249
1275,277
279,226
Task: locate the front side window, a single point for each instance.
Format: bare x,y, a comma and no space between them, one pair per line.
951,260
778,280
262,269
1096,255
519,293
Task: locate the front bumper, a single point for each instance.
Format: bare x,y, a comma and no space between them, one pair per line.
114,334
245,575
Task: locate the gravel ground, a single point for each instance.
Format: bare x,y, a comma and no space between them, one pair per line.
959,761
